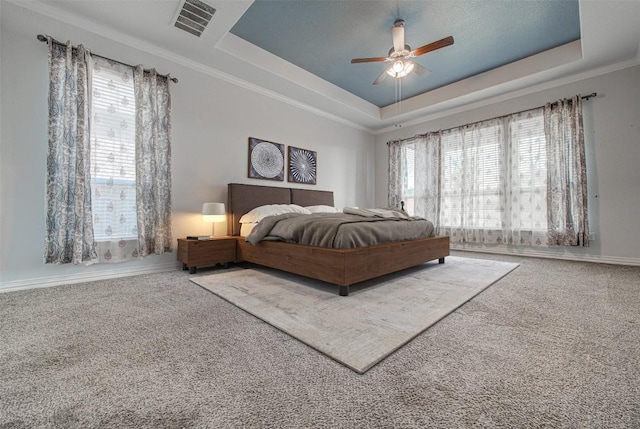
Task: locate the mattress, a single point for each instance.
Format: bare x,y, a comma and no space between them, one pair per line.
341,230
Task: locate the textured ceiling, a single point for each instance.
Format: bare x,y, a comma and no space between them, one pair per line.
314,41
323,36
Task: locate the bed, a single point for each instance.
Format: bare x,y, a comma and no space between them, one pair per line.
342,267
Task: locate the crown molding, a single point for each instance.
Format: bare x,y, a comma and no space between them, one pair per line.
372,116
516,93
42,8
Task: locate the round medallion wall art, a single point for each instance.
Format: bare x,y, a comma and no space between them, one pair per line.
266,161
302,166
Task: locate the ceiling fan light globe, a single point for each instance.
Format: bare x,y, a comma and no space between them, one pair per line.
408,67
398,67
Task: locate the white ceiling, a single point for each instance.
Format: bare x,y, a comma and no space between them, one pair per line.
610,38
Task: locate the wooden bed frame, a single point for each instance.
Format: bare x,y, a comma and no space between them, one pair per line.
342,267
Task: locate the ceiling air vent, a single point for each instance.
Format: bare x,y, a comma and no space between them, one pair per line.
194,16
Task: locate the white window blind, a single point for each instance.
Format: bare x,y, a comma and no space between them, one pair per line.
113,173
529,171
471,177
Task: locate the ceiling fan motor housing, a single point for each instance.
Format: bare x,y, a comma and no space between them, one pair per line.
396,54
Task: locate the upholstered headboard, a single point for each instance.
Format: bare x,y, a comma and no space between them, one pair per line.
310,197
242,198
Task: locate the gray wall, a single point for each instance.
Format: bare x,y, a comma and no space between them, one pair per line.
612,134
212,120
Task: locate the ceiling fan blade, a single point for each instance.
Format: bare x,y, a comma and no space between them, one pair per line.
383,76
368,60
433,46
397,32
420,70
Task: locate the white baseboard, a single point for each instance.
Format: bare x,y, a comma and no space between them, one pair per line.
35,283
547,253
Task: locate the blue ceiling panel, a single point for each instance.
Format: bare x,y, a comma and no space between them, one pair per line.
322,36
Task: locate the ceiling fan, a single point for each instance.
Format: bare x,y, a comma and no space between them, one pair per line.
400,55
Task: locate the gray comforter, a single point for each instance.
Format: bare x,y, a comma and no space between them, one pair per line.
341,230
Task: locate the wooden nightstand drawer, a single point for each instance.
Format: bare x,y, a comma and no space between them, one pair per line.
198,253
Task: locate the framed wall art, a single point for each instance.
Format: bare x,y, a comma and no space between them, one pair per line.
266,160
302,166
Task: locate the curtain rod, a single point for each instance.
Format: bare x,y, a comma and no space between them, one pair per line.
43,39
417,136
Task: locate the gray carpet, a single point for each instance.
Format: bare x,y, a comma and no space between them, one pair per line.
553,344
378,317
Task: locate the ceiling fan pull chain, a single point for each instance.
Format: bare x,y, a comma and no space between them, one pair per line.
398,89
399,98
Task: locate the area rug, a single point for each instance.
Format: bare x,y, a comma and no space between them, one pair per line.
378,317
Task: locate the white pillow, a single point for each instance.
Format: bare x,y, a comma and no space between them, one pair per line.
246,228
259,213
323,209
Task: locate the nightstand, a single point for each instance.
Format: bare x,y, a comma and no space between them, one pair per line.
198,253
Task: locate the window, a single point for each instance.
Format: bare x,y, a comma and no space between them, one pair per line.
530,159
485,182
472,163
113,169
105,118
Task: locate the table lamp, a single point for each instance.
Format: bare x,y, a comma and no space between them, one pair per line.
213,212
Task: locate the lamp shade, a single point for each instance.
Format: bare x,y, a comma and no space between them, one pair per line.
213,212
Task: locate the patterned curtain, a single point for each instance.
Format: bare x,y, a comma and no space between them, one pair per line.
69,229
519,179
427,171
567,173
153,161
396,160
